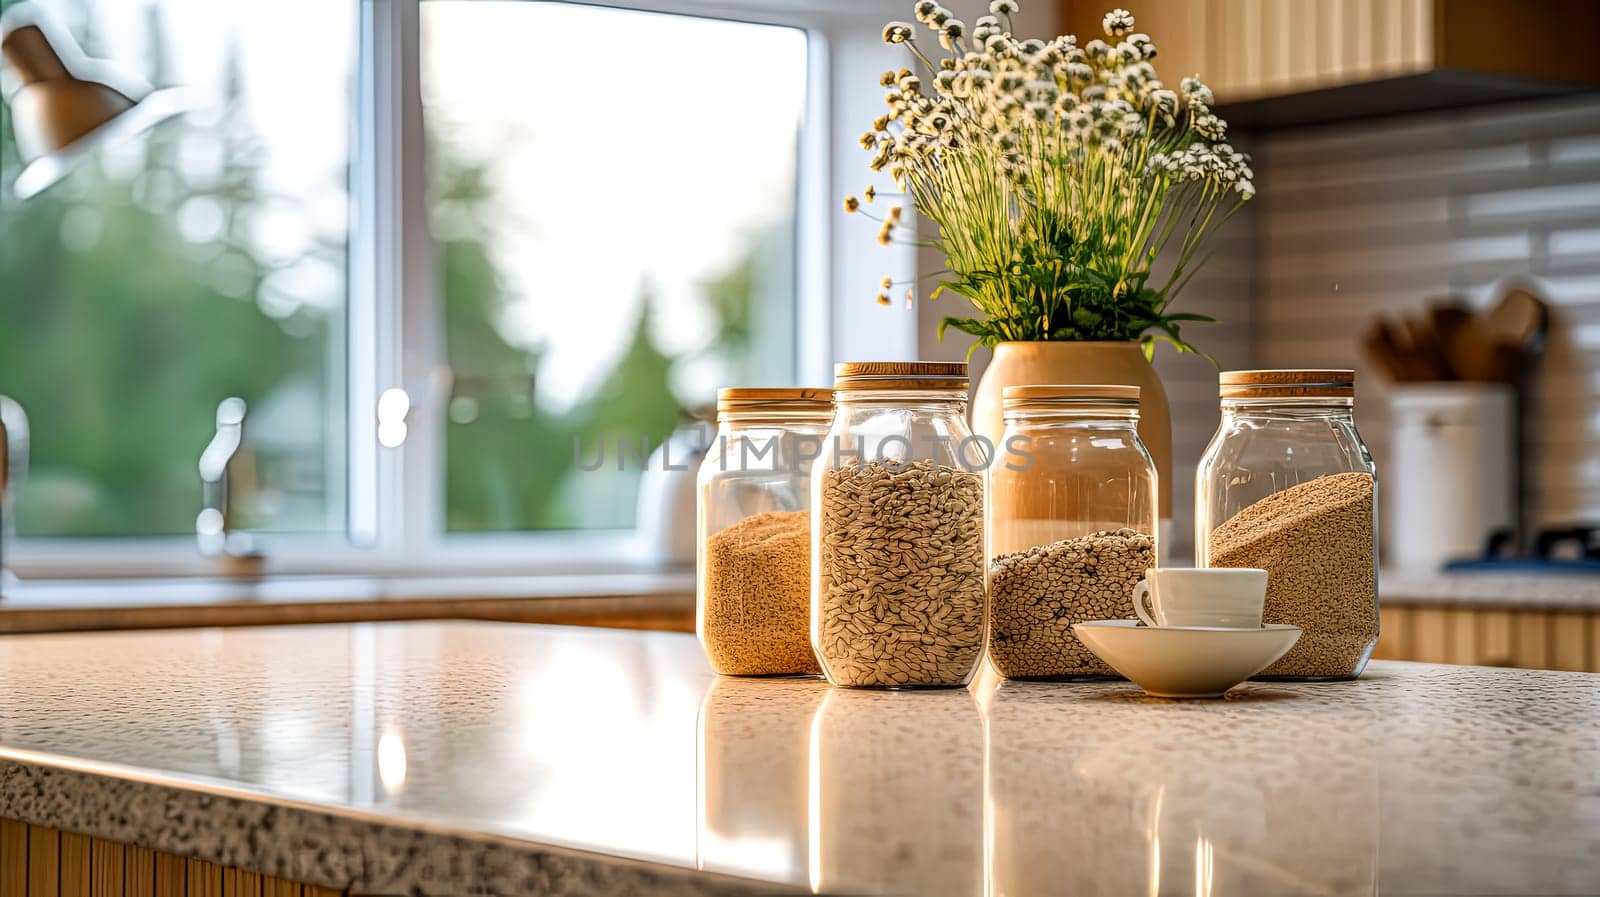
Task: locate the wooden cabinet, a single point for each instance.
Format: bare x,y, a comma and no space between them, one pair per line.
1531,639
1247,49
38,861
1426,53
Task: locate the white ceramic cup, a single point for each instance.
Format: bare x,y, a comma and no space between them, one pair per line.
1219,597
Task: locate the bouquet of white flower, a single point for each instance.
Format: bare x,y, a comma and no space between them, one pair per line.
1056,174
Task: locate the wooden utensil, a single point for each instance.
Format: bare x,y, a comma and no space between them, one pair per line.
1399,335
1447,315
1411,367
1448,341
1378,344
1519,320
1476,355
1426,349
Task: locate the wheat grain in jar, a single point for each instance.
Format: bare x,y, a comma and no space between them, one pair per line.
1287,485
1072,523
753,595
898,540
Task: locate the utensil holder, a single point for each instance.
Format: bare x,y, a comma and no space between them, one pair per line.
1453,470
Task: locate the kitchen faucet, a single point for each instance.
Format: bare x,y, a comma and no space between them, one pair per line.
13,468
215,526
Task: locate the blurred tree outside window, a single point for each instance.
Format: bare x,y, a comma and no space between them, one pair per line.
203,261
609,250
612,194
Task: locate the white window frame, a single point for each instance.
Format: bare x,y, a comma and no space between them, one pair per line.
394,333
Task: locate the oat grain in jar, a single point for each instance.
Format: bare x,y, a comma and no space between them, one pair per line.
1287,485
1072,523
753,595
898,557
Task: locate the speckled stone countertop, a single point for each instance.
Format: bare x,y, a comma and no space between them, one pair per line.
454,758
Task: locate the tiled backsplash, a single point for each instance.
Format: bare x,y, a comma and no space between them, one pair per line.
1357,219
1224,289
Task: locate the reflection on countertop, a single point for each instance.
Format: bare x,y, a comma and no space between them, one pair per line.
1160,799
476,757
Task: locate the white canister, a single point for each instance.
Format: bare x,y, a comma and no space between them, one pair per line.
664,524
1452,470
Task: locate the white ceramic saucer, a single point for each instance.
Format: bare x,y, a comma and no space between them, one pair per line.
1185,662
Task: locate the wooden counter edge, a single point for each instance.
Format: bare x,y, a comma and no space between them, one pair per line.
671,612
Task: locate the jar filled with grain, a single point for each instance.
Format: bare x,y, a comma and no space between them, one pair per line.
1072,523
1287,485
753,596
897,547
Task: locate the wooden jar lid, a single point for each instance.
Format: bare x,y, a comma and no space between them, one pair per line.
1070,394
900,375
761,398
1287,383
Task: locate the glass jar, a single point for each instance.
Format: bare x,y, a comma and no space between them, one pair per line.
1072,525
897,551
1288,486
753,589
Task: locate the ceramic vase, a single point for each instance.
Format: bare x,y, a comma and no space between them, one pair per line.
1118,363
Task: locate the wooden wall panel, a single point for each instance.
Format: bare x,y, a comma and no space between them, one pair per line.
1431,644
75,862
1246,20
172,875
1463,635
1394,632
1329,47
106,869
1275,19
239,883
1496,638
1532,649
44,861
1357,62
13,858
1417,34
272,886
38,861
1302,44
1569,641
1251,49
204,879
1385,37
1490,637
139,872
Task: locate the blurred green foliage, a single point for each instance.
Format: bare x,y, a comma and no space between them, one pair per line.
119,336
120,333
509,461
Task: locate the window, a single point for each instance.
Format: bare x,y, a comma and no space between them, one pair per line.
529,243
168,274
615,226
